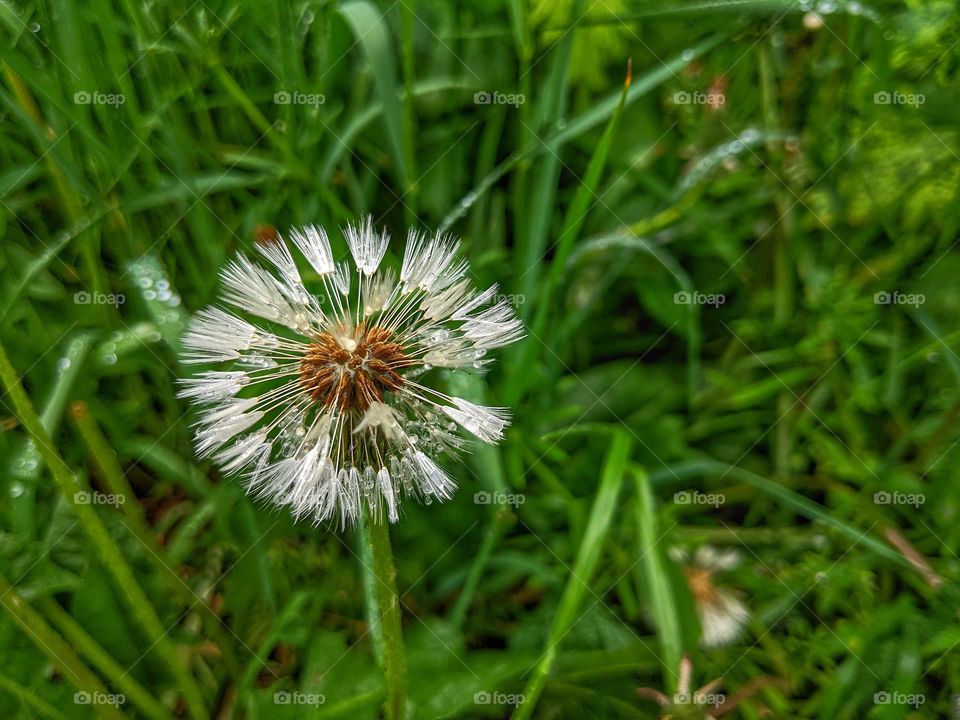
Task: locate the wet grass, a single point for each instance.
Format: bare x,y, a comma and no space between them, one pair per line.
737,266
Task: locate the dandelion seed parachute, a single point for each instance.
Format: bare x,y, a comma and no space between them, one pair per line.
319,408
720,610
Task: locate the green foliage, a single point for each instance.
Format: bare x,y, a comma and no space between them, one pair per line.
739,280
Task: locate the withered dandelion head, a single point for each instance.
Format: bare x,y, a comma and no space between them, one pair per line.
321,410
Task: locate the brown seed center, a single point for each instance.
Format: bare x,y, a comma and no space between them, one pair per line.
353,378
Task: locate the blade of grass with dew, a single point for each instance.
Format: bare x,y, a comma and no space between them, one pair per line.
162,302
37,265
662,602
601,515
28,463
758,8
115,564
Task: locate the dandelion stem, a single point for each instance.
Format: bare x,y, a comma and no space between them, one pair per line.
394,653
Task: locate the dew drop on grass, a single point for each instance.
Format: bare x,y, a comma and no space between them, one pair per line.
35,27
469,199
687,55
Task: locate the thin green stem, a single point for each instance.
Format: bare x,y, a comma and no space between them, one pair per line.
394,653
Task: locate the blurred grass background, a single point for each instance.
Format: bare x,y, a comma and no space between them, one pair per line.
739,278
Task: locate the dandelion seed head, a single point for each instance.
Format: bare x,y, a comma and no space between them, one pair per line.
317,400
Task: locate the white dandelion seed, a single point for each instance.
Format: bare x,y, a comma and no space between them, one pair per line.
720,610
320,410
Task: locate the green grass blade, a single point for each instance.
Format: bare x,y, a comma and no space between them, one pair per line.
59,652
663,605
604,505
141,609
